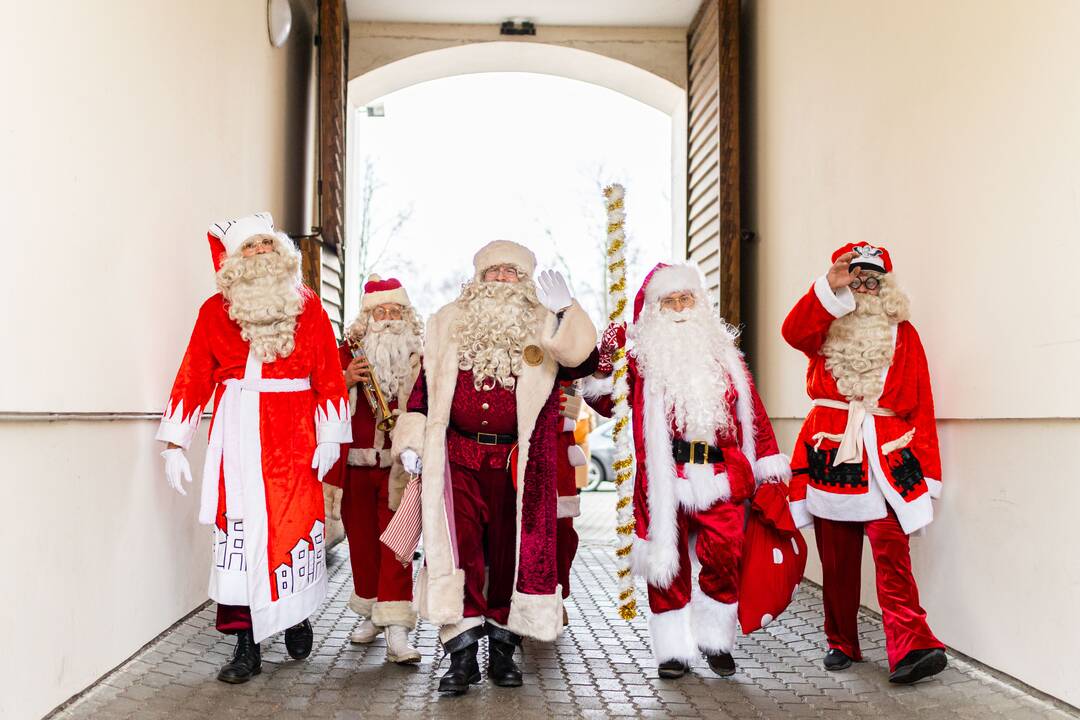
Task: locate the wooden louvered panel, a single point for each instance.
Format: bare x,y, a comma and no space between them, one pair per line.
713,234
333,70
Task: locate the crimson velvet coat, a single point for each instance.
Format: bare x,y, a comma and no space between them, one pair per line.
895,472
536,603
259,489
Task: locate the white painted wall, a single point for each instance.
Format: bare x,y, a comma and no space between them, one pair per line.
947,132
128,127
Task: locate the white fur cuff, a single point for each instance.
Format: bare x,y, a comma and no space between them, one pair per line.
934,486
593,388
713,623
569,506
672,636
398,612
658,564
773,468
440,600
361,606
800,514
838,303
451,631
536,616
408,434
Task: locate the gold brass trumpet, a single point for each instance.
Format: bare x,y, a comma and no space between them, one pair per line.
374,396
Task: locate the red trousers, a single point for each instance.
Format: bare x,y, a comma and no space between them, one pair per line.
365,513
840,547
231,619
719,550
485,516
566,543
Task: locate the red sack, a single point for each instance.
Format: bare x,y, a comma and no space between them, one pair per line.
773,559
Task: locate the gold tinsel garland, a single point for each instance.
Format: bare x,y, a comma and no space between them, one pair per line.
624,459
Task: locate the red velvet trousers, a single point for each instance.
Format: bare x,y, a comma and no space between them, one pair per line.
566,544
719,550
485,516
840,547
231,619
365,513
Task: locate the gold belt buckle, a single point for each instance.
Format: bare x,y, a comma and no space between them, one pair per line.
481,438
694,444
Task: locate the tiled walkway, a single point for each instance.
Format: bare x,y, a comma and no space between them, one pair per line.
601,667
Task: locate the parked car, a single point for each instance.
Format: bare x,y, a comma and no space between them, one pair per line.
601,455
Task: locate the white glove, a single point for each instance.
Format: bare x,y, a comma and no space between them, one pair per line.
176,469
326,454
553,291
411,462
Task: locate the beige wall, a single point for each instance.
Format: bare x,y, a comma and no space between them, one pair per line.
660,50
128,126
947,132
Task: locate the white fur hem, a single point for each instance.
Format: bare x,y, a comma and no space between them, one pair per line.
569,506
713,623
672,636
934,486
446,592
658,564
451,631
702,487
838,303
536,616
399,613
773,468
800,514
361,606
593,388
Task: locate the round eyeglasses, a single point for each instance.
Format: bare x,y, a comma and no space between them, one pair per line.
870,283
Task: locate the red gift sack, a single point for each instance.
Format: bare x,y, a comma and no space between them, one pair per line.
773,560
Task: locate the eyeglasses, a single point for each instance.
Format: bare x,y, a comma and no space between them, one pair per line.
392,312
497,271
678,302
870,283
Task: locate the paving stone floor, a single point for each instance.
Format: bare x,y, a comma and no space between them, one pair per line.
600,668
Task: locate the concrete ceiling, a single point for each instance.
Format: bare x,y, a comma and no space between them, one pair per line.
670,13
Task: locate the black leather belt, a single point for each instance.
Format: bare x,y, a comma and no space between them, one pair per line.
697,452
487,438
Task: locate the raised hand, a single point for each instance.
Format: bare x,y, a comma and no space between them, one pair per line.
553,291
839,274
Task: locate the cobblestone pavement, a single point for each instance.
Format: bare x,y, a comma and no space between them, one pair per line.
601,667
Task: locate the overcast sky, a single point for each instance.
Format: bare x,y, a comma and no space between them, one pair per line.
518,156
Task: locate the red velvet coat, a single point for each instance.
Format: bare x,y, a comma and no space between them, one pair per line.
907,477
259,489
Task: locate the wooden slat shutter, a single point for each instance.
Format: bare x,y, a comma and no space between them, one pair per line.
712,213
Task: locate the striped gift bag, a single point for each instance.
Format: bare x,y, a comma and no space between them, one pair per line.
402,534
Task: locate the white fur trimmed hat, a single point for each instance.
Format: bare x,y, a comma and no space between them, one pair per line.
379,292
665,279
226,236
504,252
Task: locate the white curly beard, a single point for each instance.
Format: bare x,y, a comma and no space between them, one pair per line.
389,344
688,359
496,321
859,345
262,293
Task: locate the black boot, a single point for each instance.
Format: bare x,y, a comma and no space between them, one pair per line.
918,664
246,661
722,664
836,659
502,670
298,640
464,669
672,669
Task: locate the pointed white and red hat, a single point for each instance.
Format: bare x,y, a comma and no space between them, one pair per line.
379,292
665,279
226,236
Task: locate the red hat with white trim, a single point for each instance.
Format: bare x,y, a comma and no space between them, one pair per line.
665,279
379,292
867,257
226,236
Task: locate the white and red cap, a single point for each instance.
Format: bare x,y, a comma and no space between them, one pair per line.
665,279
379,292
226,236
504,252
867,257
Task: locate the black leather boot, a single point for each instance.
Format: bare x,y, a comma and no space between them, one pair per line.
298,640
672,669
246,661
919,664
502,670
464,669
836,659
722,664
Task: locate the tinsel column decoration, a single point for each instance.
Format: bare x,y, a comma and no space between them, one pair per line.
623,464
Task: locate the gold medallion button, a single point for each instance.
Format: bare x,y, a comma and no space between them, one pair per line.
533,355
